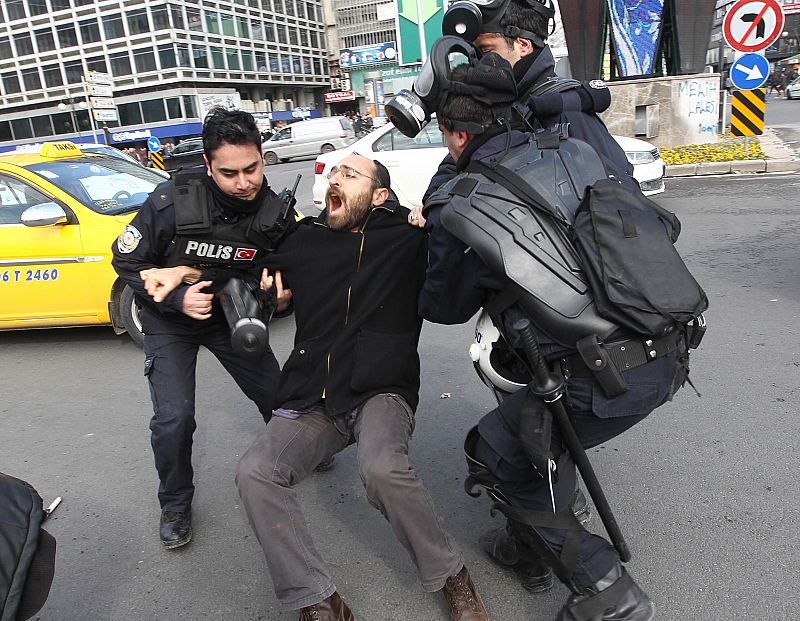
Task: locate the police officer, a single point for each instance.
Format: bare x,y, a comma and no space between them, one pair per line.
214,222
473,118
517,30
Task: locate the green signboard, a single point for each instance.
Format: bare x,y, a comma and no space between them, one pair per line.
408,27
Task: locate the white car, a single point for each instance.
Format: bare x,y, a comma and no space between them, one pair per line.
413,161
793,89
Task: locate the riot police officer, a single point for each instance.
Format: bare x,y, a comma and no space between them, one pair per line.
517,30
218,222
512,452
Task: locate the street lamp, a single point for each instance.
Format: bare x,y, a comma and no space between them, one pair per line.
70,103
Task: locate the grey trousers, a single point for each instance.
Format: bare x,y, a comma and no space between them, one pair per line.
289,450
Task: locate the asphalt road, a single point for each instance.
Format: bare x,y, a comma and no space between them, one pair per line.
705,489
783,115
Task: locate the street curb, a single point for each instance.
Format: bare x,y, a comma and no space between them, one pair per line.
735,167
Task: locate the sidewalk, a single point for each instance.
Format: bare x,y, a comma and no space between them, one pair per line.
778,159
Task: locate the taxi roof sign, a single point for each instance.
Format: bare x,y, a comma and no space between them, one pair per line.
57,150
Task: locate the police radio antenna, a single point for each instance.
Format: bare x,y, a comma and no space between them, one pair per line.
290,200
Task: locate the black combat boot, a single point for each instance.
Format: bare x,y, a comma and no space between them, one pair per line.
615,597
507,551
175,528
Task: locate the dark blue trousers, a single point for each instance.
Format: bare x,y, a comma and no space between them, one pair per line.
170,364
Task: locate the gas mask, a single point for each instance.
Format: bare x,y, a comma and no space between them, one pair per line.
410,111
469,18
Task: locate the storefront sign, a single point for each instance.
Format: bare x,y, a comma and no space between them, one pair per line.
367,55
338,96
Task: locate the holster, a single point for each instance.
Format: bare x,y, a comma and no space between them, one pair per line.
598,360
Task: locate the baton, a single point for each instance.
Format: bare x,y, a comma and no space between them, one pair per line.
550,387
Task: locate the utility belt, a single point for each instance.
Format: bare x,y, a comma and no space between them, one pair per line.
605,362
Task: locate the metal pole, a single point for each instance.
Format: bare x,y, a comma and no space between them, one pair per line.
423,51
89,110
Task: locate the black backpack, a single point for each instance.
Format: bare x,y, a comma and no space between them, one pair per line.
27,551
626,244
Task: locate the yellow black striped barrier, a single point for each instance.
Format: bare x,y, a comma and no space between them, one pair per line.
747,112
157,160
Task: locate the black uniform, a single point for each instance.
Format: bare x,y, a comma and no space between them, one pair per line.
458,284
172,338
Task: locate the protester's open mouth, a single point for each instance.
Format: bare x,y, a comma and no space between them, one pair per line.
334,202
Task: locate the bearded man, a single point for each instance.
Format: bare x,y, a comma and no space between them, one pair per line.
355,273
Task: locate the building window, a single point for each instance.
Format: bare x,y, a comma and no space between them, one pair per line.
52,76
5,49
90,31
11,83
97,64
160,19
60,4
244,28
257,27
233,59
195,20
153,111
177,18
23,44
44,40
31,79
74,72
5,131
189,107
137,21
15,9
120,64
112,26
37,7
294,38
21,129
184,60
166,56
200,54
63,123
227,25
217,57
285,64
247,60
129,114
297,66
67,36
261,62
42,126
174,108
212,22
145,60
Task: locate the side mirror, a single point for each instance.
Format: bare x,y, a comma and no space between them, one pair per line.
45,214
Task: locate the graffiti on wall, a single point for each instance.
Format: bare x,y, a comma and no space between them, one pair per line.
698,104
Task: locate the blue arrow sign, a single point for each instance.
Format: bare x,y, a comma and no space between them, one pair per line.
153,144
749,72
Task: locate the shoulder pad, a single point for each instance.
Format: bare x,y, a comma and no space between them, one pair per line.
445,192
162,195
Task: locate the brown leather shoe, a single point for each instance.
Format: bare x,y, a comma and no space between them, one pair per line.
462,598
332,608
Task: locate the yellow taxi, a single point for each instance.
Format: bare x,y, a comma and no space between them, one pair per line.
60,211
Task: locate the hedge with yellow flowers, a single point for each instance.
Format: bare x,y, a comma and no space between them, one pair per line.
729,148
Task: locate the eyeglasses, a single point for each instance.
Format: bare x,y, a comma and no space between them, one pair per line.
348,173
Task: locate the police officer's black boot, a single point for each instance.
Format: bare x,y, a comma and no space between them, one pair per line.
615,597
175,528
507,551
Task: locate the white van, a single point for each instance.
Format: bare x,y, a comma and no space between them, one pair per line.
310,137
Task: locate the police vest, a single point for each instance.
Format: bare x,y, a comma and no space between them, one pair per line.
529,246
205,240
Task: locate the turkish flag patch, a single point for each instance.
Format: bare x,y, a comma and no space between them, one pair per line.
244,254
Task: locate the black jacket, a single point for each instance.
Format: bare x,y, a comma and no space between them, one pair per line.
355,303
530,72
156,247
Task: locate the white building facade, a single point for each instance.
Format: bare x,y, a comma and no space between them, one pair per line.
167,60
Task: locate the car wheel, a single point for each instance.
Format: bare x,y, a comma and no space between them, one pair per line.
327,148
270,159
129,315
